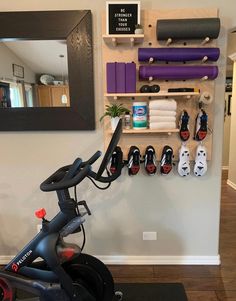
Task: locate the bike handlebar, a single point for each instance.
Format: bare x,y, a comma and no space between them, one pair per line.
71,175
93,158
57,181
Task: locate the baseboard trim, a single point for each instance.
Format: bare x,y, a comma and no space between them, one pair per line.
149,260
5,259
231,184
161,260
225,167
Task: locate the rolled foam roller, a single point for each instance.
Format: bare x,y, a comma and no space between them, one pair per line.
199,28
177,72
178,54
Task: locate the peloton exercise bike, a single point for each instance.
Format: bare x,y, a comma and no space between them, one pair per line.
64,273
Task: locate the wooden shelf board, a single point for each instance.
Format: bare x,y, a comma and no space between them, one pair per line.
160,94
123,38
148,131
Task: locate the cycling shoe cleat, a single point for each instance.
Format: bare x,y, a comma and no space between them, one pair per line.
184,126
150,162
114,159
166,160
201,126
133,160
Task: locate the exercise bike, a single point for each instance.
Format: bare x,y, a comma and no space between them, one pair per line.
64,272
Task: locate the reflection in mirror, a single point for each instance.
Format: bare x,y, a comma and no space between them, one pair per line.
34,74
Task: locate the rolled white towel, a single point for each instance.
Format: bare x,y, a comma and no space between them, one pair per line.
163,104
162,125
162,113
162,118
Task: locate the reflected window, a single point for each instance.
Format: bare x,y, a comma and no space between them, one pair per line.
16,95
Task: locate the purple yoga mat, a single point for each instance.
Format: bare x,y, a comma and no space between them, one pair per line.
178,54
120,77
111,77
177,72
130,78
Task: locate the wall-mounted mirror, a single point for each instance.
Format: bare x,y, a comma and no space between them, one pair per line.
46,74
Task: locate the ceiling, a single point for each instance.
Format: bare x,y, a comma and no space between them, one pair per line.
42,57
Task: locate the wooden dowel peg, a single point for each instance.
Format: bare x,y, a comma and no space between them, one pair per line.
114,42
151,60
168,42
115,97
204,78
150,78
169,133
188,96
205,41
205,59
131,42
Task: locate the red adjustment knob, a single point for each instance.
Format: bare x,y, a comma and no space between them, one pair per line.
40,213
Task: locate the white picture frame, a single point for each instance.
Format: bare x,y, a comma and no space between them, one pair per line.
108,3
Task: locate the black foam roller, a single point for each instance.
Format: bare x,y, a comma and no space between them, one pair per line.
180,29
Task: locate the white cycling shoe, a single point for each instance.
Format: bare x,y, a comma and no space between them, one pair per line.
184,163
200,167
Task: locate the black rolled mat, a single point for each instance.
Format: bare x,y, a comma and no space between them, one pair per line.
152,291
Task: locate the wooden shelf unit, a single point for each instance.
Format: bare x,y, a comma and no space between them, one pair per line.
116,39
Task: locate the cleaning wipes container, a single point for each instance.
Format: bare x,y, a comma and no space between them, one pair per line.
139,115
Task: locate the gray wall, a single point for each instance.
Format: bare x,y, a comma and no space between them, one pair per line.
7,59
184,212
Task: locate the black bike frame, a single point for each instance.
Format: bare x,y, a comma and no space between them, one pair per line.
44,245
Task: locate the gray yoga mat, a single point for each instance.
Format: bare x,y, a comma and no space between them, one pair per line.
199,28
177,72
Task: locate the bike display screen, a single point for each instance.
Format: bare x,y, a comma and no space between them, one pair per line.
112,145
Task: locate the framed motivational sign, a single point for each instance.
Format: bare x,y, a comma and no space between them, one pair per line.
122,16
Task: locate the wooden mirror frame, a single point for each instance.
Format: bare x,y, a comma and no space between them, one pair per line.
76,28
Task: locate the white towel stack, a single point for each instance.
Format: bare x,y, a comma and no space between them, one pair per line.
162,114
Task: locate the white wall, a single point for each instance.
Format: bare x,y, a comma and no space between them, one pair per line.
184,212
231,48
226,140
232,148
7,59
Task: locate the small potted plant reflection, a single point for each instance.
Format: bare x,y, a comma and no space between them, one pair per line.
138,29
115,112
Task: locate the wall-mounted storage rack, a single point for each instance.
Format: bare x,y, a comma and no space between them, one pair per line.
124,48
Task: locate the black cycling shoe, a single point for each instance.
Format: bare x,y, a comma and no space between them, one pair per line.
114,159
184,126
201,126
150,160
133,160
166,160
